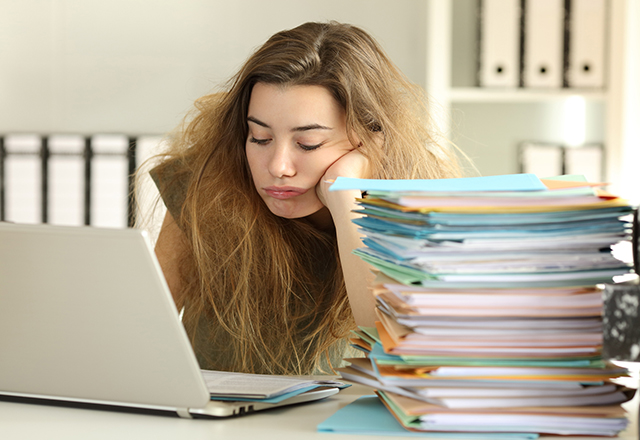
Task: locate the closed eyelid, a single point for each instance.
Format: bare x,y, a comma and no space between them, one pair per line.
258,140
310,147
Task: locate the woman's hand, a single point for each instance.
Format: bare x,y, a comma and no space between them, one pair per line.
340,204
351,164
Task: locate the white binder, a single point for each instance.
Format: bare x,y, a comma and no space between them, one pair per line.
587,39
543,160
499,62
543,43
109,181
23,179
66,180
586,160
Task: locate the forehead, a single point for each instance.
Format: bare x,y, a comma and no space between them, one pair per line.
278,105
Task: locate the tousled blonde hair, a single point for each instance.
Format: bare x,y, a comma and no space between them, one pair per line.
262,293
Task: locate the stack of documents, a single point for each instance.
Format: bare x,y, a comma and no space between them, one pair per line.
490,319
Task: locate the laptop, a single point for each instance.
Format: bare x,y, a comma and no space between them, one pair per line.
86,318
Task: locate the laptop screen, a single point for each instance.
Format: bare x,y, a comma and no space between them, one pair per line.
85,314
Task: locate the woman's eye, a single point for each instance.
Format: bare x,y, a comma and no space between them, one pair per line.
258,141
309,147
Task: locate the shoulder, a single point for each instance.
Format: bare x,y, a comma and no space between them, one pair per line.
172,178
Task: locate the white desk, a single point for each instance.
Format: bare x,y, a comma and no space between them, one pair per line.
26,421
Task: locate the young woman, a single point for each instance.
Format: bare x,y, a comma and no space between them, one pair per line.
254,246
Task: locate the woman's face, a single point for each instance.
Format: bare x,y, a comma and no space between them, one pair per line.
295,134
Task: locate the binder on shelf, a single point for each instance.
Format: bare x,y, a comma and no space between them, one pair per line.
23,167
546,159
147,194
543,160
499,54
66,180
109,181
543,34
587,35
586,160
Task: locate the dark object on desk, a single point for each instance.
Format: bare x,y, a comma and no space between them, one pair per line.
620,320
621,326
621,323
635,242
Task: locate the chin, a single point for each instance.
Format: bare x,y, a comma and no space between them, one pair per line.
320,218
290,214
296,213
293,208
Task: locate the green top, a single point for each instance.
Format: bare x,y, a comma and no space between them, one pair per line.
209,345
173,186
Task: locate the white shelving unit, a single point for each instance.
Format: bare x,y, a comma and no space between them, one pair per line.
488,123
478,94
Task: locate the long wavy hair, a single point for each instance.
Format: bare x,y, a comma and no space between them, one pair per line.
262,293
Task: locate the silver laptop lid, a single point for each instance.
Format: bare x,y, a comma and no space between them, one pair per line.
85,314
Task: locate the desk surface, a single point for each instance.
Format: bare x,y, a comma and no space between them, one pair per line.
28,421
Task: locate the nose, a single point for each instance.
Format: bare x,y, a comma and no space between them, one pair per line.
281,163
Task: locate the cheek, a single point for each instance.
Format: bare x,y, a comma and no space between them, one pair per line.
316,166
253,160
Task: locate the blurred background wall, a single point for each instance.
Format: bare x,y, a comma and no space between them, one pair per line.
134,67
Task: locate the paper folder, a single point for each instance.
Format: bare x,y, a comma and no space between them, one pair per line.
23,179
368,416
587,160
541,159
587,38
499,59
66,180
507,182
109,189
543,43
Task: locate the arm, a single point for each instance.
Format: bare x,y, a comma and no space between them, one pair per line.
357,274
170,247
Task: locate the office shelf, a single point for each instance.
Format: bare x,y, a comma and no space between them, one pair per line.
478,94
489,123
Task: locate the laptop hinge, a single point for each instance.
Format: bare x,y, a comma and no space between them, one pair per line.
184,413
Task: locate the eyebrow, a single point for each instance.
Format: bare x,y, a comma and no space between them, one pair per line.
301,128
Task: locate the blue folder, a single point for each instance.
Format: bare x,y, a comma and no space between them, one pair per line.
368,416
508,182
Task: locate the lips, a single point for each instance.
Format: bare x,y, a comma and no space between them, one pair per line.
284,192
